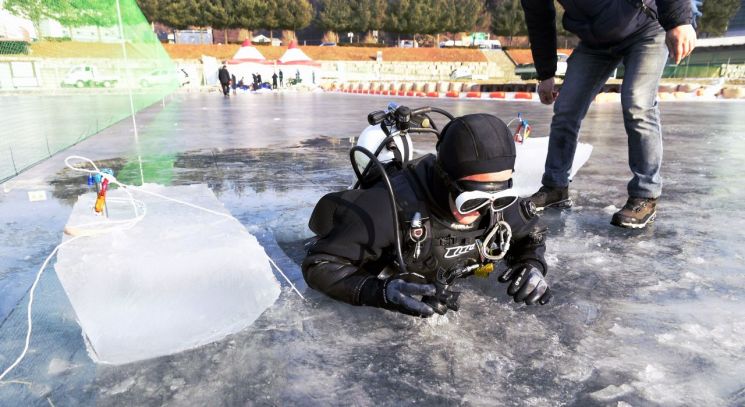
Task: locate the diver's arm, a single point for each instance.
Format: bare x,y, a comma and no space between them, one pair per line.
341,280
335,276
527,265
529,247
352,228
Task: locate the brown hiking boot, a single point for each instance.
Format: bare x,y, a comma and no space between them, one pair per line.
550,197
636,214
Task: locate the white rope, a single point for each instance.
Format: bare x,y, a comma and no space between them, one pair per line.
30,303
285,276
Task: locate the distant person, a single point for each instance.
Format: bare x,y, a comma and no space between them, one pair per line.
258,79
255,81
233,83
224,77
274,80
281,79
611,32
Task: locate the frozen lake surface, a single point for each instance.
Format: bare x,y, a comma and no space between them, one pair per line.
650,317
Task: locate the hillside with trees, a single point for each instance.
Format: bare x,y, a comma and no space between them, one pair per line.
364,18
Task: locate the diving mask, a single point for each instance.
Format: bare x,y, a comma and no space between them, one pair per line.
469,201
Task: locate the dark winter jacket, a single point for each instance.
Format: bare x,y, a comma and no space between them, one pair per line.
356,238
223,75
598,23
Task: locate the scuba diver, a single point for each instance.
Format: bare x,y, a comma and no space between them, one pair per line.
455,215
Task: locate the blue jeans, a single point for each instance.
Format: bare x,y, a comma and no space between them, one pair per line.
644,56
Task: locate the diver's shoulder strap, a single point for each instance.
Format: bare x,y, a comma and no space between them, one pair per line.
414,220
408,199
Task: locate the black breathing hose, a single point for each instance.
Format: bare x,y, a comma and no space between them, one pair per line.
362,175
391,194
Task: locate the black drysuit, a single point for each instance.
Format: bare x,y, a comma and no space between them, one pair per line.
355,246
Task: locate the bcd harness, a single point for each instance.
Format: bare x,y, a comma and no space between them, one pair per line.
439,251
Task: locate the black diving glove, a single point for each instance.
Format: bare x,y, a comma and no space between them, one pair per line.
399,296
444,299
527,284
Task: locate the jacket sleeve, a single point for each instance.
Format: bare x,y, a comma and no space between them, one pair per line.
540,16
674,13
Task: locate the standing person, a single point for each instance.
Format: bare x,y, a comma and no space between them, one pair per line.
636,33
224,77
258,80
458,214
281,79
274,80
233,83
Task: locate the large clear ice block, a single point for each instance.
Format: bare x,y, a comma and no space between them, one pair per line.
180,278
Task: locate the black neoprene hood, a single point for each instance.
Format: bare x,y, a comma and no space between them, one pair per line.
476,144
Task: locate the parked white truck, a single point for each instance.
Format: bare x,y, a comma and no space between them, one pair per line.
527,71
87,76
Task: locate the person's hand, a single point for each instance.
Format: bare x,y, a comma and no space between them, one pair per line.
546,91
527,284
400,293
680,42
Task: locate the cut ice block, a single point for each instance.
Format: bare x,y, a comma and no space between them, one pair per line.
181,278
531,157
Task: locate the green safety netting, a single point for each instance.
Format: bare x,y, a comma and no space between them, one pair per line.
71,68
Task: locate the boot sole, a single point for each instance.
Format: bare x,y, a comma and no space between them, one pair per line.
634,225
565,204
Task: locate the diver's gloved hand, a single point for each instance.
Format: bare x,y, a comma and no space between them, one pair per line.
527,284
399,295
444,299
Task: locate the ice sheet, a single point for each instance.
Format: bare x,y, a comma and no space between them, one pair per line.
529,163
639,317
179,279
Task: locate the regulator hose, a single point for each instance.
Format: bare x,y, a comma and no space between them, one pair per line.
391,195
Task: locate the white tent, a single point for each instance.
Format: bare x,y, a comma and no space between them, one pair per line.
294,55
247,61
247,53
295,63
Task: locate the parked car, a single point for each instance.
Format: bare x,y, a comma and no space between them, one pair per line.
83,76
489,44
527,71
327,44
452,43
161,77
408,44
